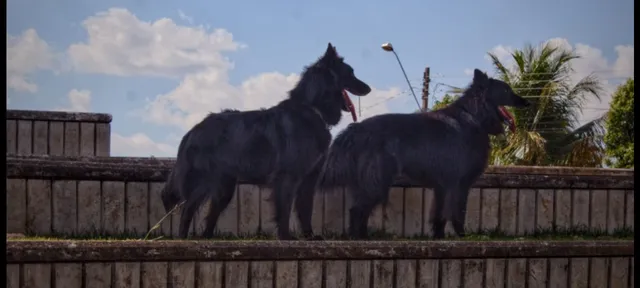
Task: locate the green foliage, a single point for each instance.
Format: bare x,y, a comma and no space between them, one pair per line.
546,131
446,100
619,123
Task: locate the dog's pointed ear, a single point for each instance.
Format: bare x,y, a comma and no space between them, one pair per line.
479,76
331,52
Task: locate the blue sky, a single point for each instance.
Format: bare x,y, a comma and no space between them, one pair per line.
88,56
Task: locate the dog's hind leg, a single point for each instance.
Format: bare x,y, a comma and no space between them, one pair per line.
223,196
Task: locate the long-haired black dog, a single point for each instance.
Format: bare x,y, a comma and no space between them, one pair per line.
283,147
447,149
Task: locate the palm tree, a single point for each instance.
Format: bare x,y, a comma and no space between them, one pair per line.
548,132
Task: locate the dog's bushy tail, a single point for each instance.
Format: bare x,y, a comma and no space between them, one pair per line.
340,168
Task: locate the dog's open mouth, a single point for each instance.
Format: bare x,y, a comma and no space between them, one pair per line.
507,118
348,105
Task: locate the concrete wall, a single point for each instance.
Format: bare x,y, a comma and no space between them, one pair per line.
58,133
122,195
316,264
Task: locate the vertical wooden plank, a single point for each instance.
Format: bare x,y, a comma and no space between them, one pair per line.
473,272
360,273
633,272
64,207
526,211
249,221
40,137
598,220
382,273
563,212
157,211
25,132
348,202
413,211
394,211
490,212
598,274
579,268
89,204
428,276
127,274
615,219
472,220
317,219
136,205
113,207
56,138
630,213
17,211
336,273
68,275
103,139
428,198
508,211
375,223
71,138
96,275
537,277
37,275
516,272
12,136
495,272
183,274
210,274
261,274
544,209
406,273
286,274
267,212
236,274
175,222
559,272
451,273
154,274
87,139
13,276
310,274
619,272
333,212
39,206
580,212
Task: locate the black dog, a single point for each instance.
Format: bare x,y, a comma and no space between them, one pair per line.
283,147
447,149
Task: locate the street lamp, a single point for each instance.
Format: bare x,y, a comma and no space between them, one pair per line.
389,48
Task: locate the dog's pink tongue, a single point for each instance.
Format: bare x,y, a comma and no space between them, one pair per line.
350,106
508,118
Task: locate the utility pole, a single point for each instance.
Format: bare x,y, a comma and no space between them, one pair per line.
425,89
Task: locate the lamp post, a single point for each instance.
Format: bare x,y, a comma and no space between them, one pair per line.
389,48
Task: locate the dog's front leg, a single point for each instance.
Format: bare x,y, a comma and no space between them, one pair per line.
284,191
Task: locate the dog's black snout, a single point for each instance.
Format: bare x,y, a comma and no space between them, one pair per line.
521,102
359,88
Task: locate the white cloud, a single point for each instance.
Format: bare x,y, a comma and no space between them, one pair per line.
468,71
184,17
591,61
121,44
140,145
79,101
26,54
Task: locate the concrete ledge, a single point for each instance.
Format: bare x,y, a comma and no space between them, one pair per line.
157,169
123,251
58,116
